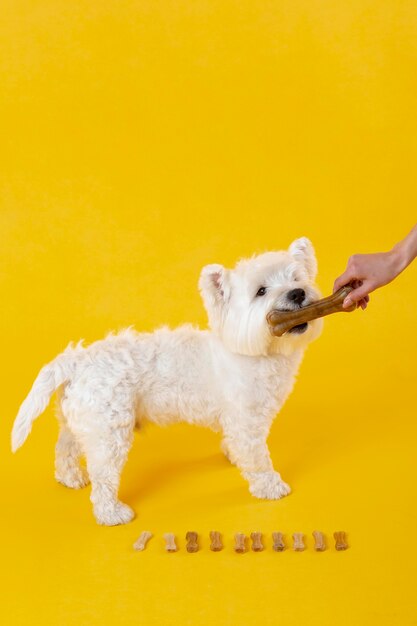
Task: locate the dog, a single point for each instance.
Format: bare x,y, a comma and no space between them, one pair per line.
233,377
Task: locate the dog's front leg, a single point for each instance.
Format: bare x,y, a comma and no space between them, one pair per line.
250,453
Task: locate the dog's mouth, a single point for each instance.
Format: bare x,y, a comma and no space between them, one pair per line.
299,329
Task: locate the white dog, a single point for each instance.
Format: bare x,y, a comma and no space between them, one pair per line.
234,378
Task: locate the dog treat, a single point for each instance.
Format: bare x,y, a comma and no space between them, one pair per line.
192,545
340,539
142,540
278,545
256,542
170,546
240,543
319,543
298,542
216,542
282,321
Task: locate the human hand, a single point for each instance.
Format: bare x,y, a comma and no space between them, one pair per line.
365,273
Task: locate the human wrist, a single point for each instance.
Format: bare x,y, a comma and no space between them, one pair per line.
399,257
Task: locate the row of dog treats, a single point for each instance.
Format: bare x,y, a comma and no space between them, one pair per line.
241,541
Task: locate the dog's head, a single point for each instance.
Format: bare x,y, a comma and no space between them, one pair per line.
238,300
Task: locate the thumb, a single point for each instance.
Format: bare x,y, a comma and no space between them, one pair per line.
344,279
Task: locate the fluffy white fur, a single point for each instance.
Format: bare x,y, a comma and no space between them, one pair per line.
233,378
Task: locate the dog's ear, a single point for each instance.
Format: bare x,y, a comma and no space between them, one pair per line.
302,250
214,285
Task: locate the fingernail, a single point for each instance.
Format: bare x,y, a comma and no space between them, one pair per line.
347,302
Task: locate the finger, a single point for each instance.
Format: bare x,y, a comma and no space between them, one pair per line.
343,279
356,295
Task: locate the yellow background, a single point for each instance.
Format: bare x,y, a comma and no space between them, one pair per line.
140,141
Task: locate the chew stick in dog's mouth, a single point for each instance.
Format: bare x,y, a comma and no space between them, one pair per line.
281,322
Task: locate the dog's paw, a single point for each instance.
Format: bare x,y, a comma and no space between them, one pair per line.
267,485
76,479
113,515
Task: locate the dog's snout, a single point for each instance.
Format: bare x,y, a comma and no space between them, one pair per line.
296,295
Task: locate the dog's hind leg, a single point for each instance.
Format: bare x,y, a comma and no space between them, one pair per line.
225,450
106,451
68,470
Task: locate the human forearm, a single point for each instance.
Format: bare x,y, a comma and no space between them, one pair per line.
405,251
367,272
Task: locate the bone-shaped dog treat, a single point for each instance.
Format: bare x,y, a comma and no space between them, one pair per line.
216,542
278,545
170,545
192,545
142,540
256,542
298,542
282,321
319,543
340,540
240,543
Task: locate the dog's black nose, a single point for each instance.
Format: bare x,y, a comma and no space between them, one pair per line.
296,295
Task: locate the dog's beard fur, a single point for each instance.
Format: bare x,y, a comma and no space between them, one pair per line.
238,315
233,379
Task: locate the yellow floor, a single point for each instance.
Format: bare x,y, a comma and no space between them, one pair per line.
142,140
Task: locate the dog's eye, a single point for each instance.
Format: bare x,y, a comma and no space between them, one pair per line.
261,291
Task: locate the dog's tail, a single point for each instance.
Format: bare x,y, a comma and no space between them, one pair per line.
48,380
